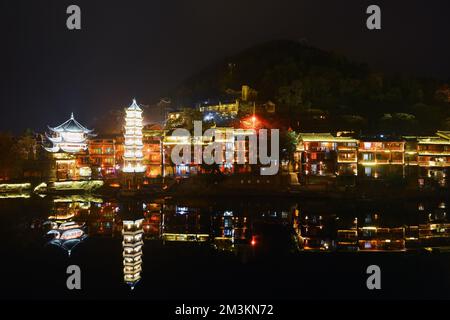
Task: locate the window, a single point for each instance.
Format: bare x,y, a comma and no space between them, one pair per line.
109,160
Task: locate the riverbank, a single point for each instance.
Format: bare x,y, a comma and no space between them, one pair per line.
285,186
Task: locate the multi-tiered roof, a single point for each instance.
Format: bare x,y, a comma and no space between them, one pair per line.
133,156
69,137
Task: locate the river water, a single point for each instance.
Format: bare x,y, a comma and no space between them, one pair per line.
227,248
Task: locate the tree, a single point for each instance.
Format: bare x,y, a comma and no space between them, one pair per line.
25,147
186,120
288,145
398,123
443,93
291,96
7,160
446,124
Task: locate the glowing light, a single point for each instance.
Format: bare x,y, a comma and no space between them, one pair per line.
132,251
133,155
69,137
5,187
251,122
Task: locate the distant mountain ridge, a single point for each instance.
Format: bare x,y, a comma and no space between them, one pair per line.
299,77
284,59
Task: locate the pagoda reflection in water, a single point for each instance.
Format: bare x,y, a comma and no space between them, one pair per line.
224,228
67,235
240,229
132,251
67,230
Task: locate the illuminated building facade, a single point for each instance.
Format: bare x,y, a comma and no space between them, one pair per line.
236,140
102,153
230,108
70,150
175,116
183,169
379,157
132,251
153,136
428,157
219,111
323,154
238,143
327,155
119,150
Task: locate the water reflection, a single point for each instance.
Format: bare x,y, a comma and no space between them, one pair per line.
230,230
328,234
184,224
63,230
132,251
246,228
66,235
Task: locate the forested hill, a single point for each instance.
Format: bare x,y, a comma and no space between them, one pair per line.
299,77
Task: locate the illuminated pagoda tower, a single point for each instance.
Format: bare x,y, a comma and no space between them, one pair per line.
69,144
133,157
132,251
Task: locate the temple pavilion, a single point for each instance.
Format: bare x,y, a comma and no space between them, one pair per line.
69,149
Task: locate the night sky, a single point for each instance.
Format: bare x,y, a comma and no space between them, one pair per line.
145,48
